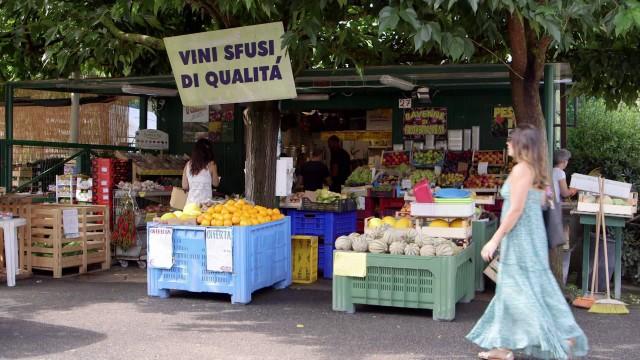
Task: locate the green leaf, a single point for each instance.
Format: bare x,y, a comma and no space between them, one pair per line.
474,5
469,48
436,31
342,3
388,18
437,4
409,15
622,23
425,33
456,48
417,42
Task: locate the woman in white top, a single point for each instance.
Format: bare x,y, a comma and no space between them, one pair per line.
200,173
560,161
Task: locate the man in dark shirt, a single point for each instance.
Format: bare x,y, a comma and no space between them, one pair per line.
314,173
340,164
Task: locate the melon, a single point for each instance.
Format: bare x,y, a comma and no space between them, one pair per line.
428,250
412,250
402,223
378,246
354,235
374,223
459,223
445,249
360,244
343,243
389,220
439,223
168,216
397,248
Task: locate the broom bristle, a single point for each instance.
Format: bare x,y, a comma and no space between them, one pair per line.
609,306
584,302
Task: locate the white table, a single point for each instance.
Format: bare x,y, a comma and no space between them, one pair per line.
11,246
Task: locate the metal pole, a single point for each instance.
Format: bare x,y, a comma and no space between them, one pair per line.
144,107
74,126
8,135
549,107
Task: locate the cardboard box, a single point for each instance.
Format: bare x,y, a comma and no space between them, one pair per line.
436,210
591,184
627,210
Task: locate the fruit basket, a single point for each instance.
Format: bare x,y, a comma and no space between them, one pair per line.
492,157
342,205
451,180
483,183
395,158
427,158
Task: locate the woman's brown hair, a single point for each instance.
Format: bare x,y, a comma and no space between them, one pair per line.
201,156
529,146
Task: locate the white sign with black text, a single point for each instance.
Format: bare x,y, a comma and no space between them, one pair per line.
219,242
160,247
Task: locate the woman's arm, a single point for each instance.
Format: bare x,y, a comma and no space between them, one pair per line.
213,169
185,180
520,182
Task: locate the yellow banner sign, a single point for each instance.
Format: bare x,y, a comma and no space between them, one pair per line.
230,66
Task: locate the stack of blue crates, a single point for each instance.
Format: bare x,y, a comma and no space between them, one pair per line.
327,226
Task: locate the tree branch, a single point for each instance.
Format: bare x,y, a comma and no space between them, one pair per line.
150,41
212,9
497,57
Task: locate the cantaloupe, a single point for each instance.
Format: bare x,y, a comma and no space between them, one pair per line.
360,244
397,248
412,250
343,243
378,246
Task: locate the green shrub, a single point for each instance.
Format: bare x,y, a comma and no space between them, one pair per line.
610,141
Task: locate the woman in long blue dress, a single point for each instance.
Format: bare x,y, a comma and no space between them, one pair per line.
528,313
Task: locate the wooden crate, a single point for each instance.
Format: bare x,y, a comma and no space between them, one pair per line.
53,251
19,205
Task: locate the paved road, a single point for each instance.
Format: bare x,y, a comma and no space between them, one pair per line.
109,316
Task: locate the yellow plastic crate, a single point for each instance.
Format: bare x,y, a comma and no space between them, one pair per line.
304,259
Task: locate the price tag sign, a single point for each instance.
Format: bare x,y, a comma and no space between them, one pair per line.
483,168
404,103
219,243
160,248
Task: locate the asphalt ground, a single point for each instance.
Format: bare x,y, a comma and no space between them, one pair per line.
108,315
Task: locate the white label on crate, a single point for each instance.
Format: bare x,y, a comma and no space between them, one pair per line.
70,223
105,197
219,249
104,169
160,247
483,168
104,183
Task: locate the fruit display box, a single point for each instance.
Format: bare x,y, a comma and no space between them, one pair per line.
435,210
427,158
483,183
421,282
589,203
447,232
342,205
395,158
591,184
261,258
492,157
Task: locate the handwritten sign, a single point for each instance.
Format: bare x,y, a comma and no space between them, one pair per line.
160,247
418,123
233,65
219,249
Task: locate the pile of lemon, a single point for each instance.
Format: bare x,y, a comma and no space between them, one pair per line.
238,213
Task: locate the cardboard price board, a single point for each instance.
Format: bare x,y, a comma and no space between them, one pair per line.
219,249
418,123
234,65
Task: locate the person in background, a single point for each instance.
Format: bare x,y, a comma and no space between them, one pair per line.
200,173
314,174
560,161
340,164
528,313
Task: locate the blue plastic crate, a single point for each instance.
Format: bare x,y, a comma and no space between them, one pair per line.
325,260
327,225
261,258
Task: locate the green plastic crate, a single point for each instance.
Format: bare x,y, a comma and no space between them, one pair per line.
481,233
436,283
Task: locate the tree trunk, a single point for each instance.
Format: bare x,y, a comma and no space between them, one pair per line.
262,122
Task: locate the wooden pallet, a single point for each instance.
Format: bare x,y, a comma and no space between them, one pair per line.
53,251
20,206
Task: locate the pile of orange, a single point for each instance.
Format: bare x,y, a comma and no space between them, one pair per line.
238,213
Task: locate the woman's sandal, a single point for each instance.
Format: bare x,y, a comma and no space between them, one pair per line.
496,354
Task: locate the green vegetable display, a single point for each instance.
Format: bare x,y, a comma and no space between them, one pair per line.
360,176
420,175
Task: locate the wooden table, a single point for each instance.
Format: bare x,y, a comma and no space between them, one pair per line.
616,221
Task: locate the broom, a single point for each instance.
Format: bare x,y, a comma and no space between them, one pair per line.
587,301
608,305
